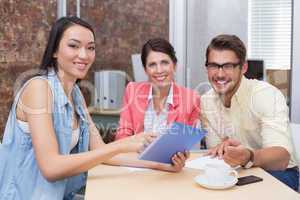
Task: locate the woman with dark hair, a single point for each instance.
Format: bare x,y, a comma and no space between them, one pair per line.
149,107
50,140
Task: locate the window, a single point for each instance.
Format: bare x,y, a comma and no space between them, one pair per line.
269,32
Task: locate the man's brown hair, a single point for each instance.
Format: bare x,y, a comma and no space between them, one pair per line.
228,42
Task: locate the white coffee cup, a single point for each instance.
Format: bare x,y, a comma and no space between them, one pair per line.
218,173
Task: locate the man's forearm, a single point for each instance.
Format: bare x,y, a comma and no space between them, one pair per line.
272,158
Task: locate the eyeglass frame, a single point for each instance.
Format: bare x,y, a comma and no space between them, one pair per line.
218,66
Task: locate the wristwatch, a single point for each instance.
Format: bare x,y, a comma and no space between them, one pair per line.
250,162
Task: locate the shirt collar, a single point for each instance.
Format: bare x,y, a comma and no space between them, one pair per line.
169,98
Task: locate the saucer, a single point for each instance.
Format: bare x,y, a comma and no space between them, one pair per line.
230,182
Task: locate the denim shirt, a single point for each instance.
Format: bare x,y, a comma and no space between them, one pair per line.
20,176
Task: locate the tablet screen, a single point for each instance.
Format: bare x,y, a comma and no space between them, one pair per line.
178,138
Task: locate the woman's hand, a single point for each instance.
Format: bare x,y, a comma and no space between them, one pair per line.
135,143
178,162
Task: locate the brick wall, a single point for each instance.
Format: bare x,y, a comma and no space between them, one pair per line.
121,26
24,27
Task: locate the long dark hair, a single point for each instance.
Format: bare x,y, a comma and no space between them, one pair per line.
55,36
49,62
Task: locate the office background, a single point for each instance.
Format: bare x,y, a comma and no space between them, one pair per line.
122,26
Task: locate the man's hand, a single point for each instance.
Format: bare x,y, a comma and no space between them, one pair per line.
219,150
231,151
236,155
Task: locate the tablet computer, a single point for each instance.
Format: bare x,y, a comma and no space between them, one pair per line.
178,138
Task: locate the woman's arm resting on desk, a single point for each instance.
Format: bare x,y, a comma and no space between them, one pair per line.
96,142
131,161
126,160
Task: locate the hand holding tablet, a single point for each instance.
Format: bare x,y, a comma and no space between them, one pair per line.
178,138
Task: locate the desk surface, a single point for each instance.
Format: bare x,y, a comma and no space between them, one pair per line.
110,182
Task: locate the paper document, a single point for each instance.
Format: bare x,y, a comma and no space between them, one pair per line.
199,163
136,169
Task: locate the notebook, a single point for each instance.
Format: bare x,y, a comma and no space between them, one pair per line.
178,138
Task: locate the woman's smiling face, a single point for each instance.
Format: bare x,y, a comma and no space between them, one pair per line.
75,53
160,69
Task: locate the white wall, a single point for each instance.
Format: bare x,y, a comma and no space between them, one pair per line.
177,36
206,19
295,78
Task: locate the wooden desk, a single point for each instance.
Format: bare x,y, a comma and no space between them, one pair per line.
110,182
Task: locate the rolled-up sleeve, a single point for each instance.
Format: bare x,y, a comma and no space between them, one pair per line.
269,105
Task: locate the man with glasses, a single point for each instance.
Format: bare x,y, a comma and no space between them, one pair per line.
247,120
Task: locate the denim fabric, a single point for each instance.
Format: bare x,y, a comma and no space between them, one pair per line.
290,177
20,177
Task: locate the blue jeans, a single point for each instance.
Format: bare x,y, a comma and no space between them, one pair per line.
290,177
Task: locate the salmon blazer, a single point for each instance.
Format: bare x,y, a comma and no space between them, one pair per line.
185,108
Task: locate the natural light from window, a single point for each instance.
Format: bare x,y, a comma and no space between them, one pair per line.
269,32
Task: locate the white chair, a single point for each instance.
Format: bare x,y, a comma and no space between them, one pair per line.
138,69
295,131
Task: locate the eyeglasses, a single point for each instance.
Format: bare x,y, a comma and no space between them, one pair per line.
226,67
